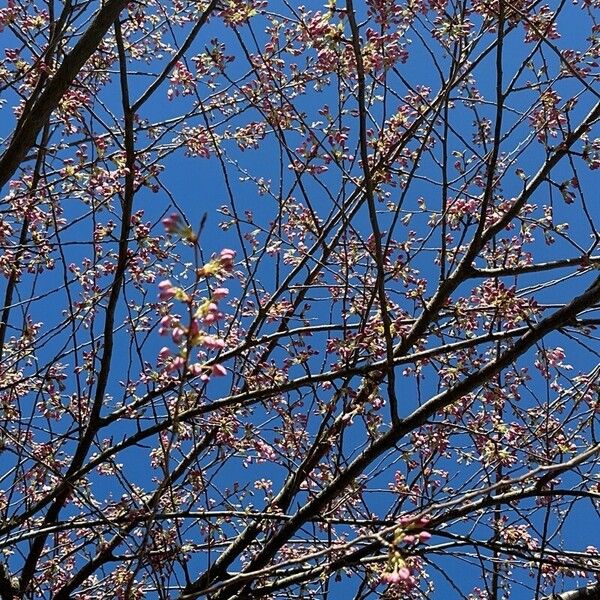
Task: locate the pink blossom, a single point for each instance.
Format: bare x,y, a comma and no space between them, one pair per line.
196,369
265,451
172,223
213,343
392,577
219,370
177,334
166,290
209,319
195,328
555,357
227,255
220,293
398,575
165,325
175,364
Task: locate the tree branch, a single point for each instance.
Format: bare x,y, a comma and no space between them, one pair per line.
591,592
32,121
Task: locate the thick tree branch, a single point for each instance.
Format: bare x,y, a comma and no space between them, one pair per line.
90,430
33,119
591,592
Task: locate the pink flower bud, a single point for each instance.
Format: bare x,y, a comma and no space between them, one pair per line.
177,363
214,343
391,577
196,369
172,223
403,573
166,290
209,319
177,334
219,370
220,293
195,328
165,325
227,257
164,353
227,254
424,536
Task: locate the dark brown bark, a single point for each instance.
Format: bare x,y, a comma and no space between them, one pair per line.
591,592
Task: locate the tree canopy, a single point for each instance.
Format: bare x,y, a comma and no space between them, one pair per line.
299,301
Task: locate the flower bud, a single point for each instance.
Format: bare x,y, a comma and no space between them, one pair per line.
166,290
219,293
219,370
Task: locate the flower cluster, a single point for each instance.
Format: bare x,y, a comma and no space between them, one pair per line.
551,357
204,313
182,82
541,26
591,153
398,569
548,118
